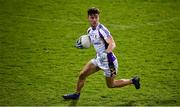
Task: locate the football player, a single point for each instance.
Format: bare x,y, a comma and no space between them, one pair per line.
105,59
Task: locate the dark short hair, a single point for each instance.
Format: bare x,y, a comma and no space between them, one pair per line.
93,10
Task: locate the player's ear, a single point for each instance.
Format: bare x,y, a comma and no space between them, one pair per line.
98,15
87,16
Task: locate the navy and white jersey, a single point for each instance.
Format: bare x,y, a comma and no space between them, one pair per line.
98,37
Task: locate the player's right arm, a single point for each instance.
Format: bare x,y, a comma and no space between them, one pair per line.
111,44
108,39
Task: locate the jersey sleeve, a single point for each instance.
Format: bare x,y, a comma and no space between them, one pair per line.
105,32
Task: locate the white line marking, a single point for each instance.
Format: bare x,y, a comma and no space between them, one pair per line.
114,25
124,27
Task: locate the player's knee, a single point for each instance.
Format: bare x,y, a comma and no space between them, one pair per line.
82,76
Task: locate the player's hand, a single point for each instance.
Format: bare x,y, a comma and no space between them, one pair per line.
103,56
78,44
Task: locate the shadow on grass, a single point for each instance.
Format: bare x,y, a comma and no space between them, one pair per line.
72,102
170,102
129,103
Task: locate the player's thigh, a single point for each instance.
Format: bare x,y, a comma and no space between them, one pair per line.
89,69
111,74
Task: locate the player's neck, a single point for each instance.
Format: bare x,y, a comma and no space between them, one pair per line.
94,27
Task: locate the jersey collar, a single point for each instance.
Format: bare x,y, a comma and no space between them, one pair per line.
96,26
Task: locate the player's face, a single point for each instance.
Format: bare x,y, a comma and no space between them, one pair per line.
93,19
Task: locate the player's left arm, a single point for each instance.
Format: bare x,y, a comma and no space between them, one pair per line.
111,44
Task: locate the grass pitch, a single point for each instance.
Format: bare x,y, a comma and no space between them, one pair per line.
39,63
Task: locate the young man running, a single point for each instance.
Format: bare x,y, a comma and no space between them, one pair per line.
105,59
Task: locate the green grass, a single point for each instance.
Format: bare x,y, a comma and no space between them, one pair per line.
39,63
